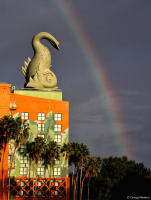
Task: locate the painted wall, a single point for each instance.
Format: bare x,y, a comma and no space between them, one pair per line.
34,102
4,110
33,106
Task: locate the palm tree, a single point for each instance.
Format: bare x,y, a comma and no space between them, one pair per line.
93,169
74,161
18,138
35,150
66,150
9,128
82,162
52,152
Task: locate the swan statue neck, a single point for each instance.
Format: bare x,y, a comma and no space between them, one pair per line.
37,70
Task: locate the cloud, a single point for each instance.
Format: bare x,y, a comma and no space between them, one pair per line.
120,34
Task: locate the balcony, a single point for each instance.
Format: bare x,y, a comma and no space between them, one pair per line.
13,105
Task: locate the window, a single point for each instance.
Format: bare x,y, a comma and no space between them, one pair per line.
24,115
40,161
56,171
58,138
11,161
58,162
23,160
57,117
40,127
41,135
40,183
41,116
23,170
23,165
56,193
39,193
13,105
57,127
22,148
40,171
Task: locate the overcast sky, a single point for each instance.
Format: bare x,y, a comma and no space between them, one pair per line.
120,33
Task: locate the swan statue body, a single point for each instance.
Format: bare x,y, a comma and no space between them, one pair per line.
37,70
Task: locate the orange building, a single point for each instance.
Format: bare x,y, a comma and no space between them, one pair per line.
47,116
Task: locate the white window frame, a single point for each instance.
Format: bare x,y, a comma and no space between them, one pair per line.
25,115
23,160
23,171
58,127
41,135
40,171
13,105
41,116
40,161
41,127
23,165
57,171
58,117
58,162
22,148
58,138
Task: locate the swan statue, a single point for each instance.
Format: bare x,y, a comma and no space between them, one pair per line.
37,70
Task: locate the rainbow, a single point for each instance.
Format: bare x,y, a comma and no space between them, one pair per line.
99,76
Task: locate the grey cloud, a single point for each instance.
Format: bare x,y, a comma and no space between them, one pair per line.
120,33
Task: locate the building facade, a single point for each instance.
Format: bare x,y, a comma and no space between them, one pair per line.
47,116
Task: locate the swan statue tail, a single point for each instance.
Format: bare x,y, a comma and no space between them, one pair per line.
25,67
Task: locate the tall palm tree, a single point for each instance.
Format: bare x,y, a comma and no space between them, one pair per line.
93,168
9,128
74,161
18,138
66,150
82,162
52,152
35,150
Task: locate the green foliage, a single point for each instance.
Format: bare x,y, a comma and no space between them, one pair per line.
93,167
101,179
52,152
36,149
78,153
120,178
11,129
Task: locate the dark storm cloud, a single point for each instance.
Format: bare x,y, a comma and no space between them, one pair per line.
120,33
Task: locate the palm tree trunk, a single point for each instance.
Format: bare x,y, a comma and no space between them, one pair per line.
33,179
66,176
82,187
81,171
10,169
9,183
36,179
3,181
76,186
51,166
89,188
74,189
73,179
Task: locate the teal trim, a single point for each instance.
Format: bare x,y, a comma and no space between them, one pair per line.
56,94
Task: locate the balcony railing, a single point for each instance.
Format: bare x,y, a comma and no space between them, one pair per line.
38,188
